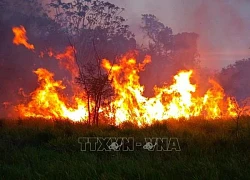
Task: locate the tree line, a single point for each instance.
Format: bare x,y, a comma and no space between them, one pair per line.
97,30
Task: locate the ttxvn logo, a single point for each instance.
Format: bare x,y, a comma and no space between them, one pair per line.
128,144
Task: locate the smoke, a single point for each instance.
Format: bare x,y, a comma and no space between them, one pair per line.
223,25
223,28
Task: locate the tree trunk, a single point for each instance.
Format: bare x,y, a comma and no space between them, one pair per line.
89,114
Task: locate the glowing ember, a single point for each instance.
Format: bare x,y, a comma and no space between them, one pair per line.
21,38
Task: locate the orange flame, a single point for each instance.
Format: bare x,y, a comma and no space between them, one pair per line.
66,59
47,102
178,100
175,101
21,38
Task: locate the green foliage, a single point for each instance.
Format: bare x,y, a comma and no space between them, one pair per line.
41,149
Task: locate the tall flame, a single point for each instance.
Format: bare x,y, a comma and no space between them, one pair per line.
48,102
21,38
175,101
178,100
181,99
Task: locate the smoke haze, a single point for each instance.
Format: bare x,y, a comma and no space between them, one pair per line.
223,25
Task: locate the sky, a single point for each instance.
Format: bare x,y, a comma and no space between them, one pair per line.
223,25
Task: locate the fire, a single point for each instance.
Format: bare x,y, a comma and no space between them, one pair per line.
66,59
21,38
47,101
178,100
181,99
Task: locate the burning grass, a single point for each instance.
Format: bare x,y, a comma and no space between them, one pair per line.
40,148
214,142
118,96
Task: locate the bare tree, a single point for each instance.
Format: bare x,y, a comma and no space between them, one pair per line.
96,30
97,86
240,110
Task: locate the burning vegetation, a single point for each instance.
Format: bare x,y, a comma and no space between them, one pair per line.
180,99
21,38
104,80
79,87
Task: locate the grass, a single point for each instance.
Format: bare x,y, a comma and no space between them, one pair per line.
42,149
